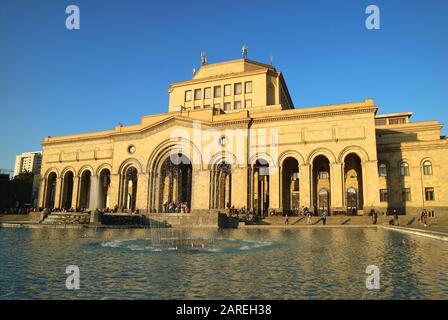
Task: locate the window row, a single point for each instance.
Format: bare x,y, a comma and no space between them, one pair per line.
228,105
406,194
404,169
237,90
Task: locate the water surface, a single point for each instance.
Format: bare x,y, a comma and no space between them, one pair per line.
258,263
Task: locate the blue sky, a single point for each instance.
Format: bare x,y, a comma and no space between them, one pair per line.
117,67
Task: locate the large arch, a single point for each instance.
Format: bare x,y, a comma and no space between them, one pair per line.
291,154
67,188
321,152
128,187
321,184
290,184
175,183
50,189
104,188
178,145
224,156
359,151
130,162
102,167
221,185
159,185
84,189
353,184
266,157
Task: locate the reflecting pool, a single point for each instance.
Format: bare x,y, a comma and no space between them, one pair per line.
248,263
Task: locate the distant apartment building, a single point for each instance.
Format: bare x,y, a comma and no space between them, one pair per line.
28,162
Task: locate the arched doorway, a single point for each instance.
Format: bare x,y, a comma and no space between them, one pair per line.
50,191
84,194
323,201
67,190
175,183
104,185
352,201
290,185
221,191
129,187
353,183
261,186
321,184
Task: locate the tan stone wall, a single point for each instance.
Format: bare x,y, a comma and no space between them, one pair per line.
263,132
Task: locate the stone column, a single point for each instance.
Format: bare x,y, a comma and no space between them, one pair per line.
239,187
370,186
274,189
93,192
57,195
42,186
142,193
336,186
250,188
75,192
200,188
113,189
305,185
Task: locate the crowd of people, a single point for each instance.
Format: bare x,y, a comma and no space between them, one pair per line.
17,210
175,207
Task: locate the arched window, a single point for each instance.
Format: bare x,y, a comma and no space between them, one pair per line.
427,168
404,169
382,170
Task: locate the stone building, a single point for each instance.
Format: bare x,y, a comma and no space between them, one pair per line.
28,162
232,137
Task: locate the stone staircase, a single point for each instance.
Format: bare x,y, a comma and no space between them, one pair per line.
331,220
67,218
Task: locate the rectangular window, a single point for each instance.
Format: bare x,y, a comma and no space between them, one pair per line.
406,194
197,107
380,122
206,106
197,94
384,196
217,91
226,106
207,93
248,103
397,120
248,87
238,88
227,91
237,105
188,95
217,106
429,194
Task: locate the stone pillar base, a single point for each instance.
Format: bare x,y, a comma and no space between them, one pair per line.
94,217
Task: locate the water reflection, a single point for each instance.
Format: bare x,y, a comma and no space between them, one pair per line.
277,263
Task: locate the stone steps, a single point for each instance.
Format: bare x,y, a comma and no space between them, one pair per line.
67,218
331,220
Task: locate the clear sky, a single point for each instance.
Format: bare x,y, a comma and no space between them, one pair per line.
118,66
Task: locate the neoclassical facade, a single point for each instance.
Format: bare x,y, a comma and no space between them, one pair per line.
232,137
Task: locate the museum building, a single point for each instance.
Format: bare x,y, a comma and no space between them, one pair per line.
232,138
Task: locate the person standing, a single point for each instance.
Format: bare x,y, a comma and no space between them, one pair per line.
324,217
396,217
374,216
286,218
425,218
309,221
